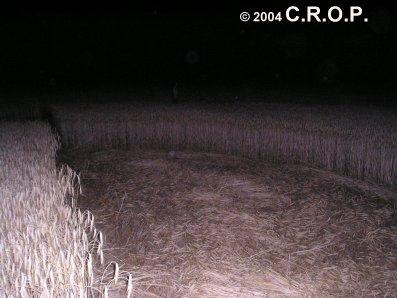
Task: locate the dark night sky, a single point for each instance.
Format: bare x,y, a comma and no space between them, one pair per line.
143,47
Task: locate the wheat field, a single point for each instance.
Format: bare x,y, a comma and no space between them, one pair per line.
357,142
48,248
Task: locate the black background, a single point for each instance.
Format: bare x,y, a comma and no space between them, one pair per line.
205,46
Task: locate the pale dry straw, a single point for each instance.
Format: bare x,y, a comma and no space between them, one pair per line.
46,243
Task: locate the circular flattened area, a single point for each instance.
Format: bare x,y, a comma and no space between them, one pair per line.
208,225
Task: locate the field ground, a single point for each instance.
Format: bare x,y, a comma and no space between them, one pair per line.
195,224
